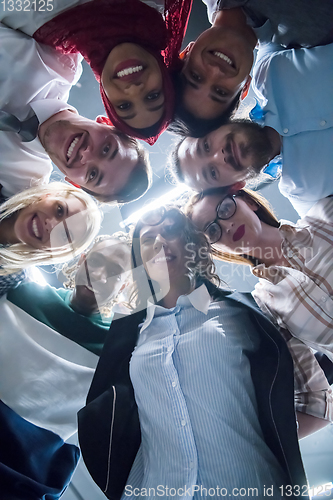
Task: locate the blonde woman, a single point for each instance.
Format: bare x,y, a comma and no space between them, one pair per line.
44,225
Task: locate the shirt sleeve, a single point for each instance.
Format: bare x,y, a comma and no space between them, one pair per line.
279,73
313,394
9,281
294,301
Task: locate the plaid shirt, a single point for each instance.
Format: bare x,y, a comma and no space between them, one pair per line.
300,298
313,394
10,281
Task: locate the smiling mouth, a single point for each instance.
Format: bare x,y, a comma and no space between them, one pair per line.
235,154
165,258
71,147
129,71
35,228
224,57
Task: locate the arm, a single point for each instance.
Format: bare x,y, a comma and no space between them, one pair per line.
307,424
280,71
313,395
297,303
9,281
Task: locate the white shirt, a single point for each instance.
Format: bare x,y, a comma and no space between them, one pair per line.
37,73
196,403
44,377
32,77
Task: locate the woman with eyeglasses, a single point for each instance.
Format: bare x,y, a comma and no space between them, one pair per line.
294,262
174,382
132,47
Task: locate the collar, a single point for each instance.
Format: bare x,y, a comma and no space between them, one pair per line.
45,108
199,299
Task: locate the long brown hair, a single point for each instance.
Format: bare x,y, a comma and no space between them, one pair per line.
265,213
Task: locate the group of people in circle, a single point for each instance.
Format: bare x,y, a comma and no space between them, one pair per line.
134,296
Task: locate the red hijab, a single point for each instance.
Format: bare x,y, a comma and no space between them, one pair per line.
96,27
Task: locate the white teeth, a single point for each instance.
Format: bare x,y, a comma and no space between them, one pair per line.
35,228
129,71
167,258
223,56
72,146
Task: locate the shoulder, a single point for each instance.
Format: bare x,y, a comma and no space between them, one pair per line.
323,210
9,281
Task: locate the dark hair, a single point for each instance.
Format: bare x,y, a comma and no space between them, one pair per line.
173,164
138,183
264,212
185,123
150,131
201,266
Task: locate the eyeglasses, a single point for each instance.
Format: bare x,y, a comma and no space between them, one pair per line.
224,211
157,216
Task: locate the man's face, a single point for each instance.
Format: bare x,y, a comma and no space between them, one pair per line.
225,156
90,154
101,275
216,69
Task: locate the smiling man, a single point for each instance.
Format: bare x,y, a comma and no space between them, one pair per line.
216,72
230,154
103,161
294,88
107,164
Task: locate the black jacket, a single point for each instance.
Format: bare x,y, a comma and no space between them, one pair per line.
109,428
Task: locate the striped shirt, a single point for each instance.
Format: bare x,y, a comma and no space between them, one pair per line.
300,297
196,403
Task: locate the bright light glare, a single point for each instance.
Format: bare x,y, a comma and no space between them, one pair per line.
167,198
36,275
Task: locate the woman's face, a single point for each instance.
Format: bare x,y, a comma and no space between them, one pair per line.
132,81
241,233
102,274
163,253
50,222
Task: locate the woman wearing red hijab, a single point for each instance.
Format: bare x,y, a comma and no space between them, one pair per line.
132,50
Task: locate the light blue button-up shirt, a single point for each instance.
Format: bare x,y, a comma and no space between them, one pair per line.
295,89
196,402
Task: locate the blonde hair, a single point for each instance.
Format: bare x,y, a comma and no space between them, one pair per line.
18,256
265,213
